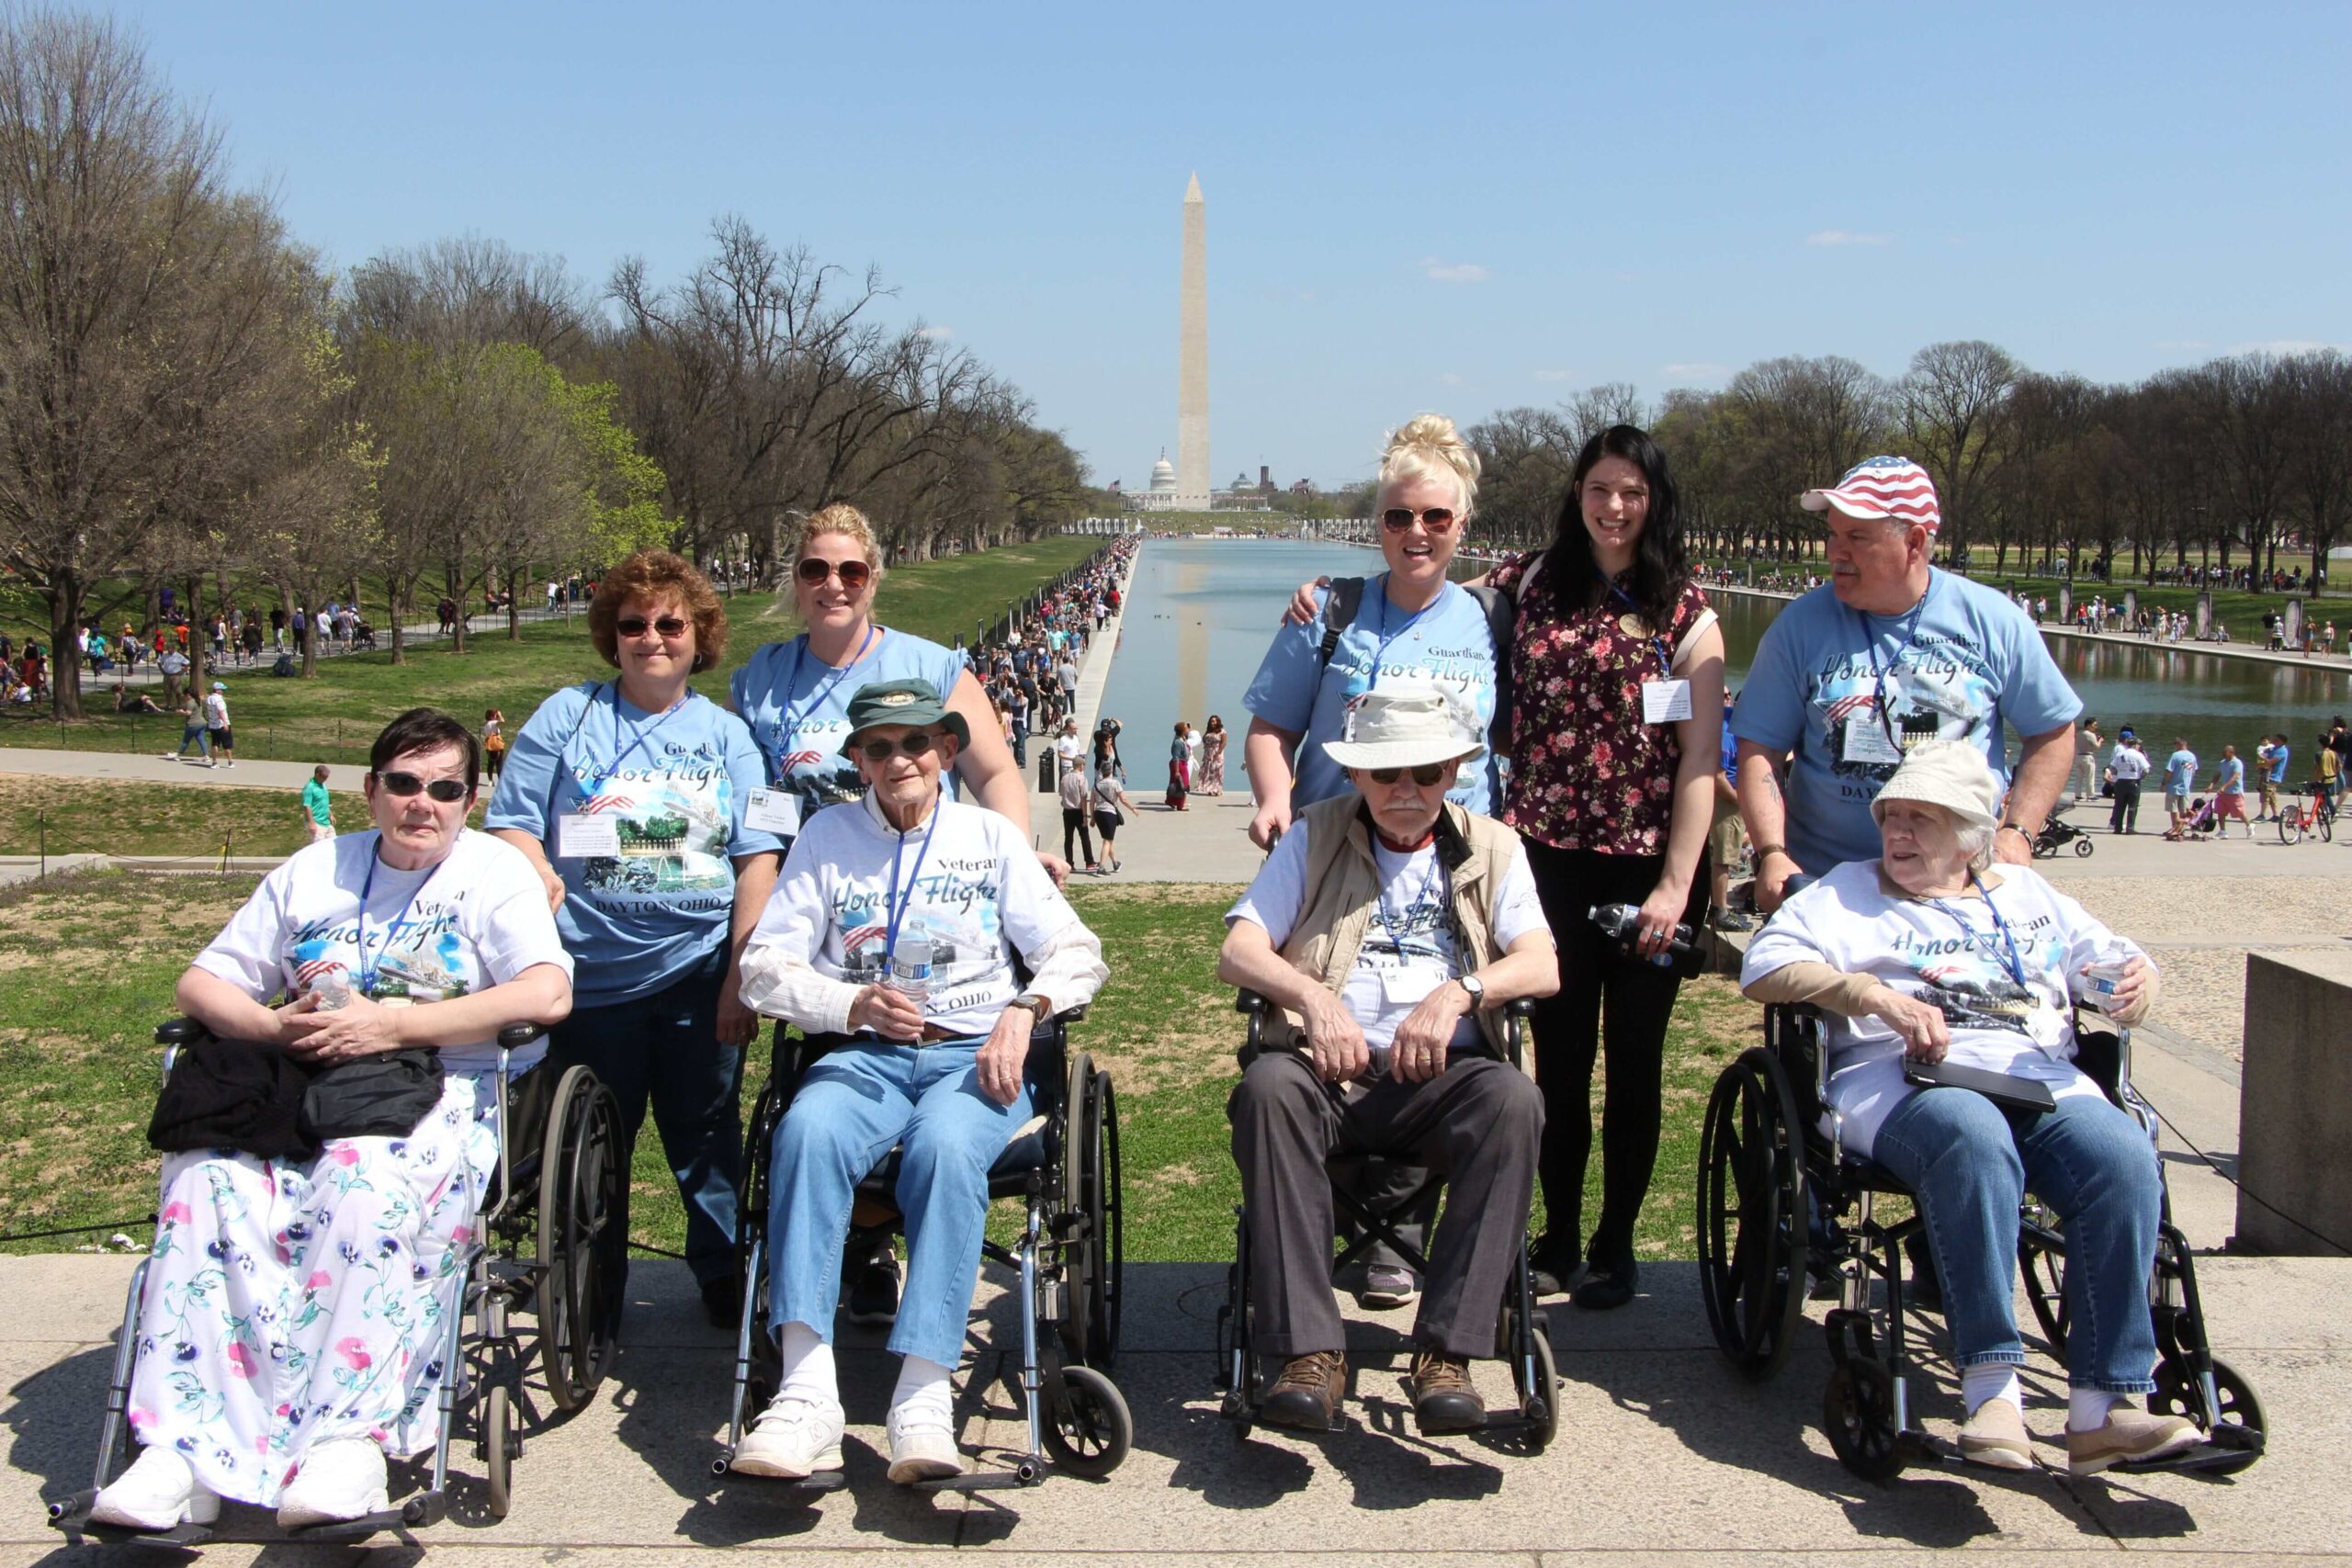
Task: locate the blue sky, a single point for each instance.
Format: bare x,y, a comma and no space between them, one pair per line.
1458,207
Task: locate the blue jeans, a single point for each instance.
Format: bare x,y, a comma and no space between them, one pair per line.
196,735
854,1106
1970,1163
663,1048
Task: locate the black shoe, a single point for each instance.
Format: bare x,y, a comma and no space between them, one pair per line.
1308,1395
1551,1271
1607,1287
722,1301
1443,1400
874,1292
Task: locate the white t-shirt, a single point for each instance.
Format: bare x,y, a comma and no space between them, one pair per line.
2129,762
216,711
1849,920
1071,748
478,918
1408,950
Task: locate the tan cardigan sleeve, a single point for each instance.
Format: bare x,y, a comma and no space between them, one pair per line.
1811,981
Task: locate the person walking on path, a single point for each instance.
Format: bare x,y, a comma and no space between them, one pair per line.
1179,767
2088,744
1110,811
2125,769
1211,779
2180,777
1076,797
493,743
2229,793
216,726
1066,675
318,811
192,731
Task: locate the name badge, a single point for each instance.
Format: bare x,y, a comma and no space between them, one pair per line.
1406,985
1866,742
1665,701
773,811
581,835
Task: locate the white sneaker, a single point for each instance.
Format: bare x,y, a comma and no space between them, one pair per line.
341,1479
792,1440
922,1448
157,1491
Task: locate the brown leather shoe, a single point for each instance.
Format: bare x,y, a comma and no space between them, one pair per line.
1443,1400
1308,1393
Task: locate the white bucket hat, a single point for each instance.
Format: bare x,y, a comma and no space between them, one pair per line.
1949,774
1407,724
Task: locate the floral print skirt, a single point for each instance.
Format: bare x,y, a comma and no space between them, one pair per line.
288,1304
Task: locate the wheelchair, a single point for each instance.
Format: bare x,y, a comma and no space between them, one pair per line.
1781,1202
1063,1166
1522,1336
544,1247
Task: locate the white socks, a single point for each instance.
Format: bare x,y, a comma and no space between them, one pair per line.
807,1368
924,1397
2086,1409
1990,1380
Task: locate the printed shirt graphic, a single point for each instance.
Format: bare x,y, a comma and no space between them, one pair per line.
639,920
2180,772
1399,963
978,889
1854,920
478,921
1450,643
1974,663
809,760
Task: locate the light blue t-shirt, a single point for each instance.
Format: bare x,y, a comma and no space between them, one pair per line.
1971,662
2232,777
2180,772
2279,755
799,730
1448,641
637,921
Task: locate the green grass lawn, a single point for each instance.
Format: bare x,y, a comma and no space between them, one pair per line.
68,816
89,964
332,717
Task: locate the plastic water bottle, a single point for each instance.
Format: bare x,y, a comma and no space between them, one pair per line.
911,968
2098,986
333,992
1623,922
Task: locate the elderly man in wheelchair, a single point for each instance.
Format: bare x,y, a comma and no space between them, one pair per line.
890,942
1952,1068
1389,932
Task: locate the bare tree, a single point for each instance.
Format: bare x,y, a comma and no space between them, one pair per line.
2319,462
1597,409
1951,403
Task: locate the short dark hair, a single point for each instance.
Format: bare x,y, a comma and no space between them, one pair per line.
425,729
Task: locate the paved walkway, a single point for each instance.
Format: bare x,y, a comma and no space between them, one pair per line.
417,634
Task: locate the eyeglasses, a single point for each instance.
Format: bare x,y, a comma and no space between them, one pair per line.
916,745
446,791
634,626
1437,519
813,570
1425,775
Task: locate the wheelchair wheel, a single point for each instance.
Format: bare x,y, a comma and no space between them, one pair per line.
1087,1430
2082,847
1752,1213
497,1448
1542,1402
580,1248
1858,1409
1090,1187
2176,1395
2045,1291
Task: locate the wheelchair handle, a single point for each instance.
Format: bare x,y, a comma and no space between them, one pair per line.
515,1036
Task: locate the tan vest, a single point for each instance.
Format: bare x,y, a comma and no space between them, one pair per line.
1343,889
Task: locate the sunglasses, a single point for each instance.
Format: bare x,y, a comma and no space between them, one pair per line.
634,626
1425,775
405,784
854,575
916,745
1437,519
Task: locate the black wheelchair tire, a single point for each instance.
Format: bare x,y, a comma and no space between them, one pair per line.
578,1182
1088,1430
2176,1395
1857,1412
1751,1265
1548,1375
497,1449
1090,1187
2044,1272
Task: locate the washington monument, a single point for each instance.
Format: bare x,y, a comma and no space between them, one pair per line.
1193,357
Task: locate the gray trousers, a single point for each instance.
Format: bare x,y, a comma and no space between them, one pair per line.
1479,1123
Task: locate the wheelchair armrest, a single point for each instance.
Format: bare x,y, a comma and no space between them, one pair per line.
1521,1008
515,1036
1071,1015
1249,1002
177,1031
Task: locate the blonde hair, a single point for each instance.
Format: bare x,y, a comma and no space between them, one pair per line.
841,517
1428,446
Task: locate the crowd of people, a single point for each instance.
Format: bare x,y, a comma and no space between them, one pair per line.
2194,812
844,846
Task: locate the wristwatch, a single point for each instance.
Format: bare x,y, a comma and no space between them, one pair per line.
1476,986
2019,829
1038,1005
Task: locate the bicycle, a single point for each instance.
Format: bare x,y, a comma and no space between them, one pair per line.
2308,816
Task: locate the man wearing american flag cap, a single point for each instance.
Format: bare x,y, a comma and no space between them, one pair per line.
1890,652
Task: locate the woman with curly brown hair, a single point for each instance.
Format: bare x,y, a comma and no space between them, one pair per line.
629,797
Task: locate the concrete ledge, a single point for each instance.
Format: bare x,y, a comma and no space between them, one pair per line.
2295,1105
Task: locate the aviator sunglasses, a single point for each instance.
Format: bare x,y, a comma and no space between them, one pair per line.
1425,775
1437,519
854,575
405,784
634,626
915,745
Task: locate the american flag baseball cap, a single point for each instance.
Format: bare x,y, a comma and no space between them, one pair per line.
1880,487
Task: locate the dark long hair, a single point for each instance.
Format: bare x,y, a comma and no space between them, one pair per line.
1661,569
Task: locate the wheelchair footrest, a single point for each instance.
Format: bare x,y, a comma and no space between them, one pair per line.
414,1513
823,1481
72,1516
1028,1470
2225,1451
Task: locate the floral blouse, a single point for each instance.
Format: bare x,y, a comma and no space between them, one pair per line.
1586,772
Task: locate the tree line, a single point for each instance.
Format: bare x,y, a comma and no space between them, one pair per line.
2238,458
190,395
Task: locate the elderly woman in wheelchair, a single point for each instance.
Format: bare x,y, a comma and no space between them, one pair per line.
296,1316
890,942
1951,1065
1388,934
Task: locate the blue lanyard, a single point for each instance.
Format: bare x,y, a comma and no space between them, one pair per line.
789,726
1665,663
1879,672
1389,918
596,785
367,967
1387,636
1977,937
894,908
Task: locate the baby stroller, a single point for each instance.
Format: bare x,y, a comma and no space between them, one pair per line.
2202,824
2056,835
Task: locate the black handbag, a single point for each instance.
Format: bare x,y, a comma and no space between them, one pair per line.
233,1094
383,1096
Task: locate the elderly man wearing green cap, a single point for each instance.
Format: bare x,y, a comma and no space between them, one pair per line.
889,942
